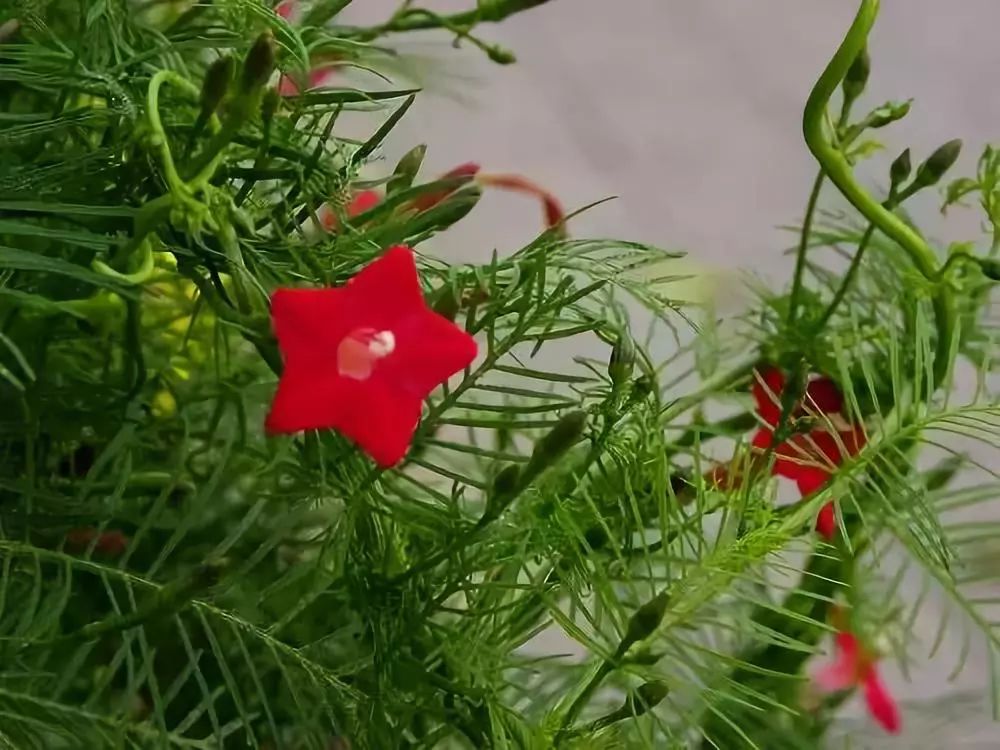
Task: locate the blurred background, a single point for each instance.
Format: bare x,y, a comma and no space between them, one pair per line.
689,112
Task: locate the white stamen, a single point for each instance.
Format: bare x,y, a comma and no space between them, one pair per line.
361,349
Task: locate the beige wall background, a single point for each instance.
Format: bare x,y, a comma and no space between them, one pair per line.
689,111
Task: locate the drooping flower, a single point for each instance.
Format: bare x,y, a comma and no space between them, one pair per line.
363,200
807,458
551,207
361,358
854,666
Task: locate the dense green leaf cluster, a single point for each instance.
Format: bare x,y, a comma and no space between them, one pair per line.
170,577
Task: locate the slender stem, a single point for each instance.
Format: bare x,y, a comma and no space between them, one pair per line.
800,256
488,11
836,167
852,271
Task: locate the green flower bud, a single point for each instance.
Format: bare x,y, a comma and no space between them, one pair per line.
622,360
857,76
938,163
505,487
990,268
407,168
647,696
560,439
887,114
449,211
900,168
507,481
644,622
216,84
259,63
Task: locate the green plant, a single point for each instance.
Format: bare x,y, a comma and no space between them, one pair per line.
170,576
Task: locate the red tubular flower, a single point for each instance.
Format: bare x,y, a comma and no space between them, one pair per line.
551,207
855,666
362,357
808,459
364,200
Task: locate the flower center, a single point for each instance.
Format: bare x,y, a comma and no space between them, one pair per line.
361,349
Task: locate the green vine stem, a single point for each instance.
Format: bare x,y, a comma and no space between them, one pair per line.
414,19
838,170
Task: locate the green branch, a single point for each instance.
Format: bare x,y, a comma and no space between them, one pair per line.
487,11
837,168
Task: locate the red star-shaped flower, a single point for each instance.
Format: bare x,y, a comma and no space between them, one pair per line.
808,459
854,666
361,358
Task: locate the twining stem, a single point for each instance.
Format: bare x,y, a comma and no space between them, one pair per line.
837,168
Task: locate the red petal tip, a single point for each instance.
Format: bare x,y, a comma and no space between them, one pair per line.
826,522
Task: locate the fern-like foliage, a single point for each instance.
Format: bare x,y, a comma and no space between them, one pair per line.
169,577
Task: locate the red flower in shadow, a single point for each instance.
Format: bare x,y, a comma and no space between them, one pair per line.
807,458
854,666
361,358
109,543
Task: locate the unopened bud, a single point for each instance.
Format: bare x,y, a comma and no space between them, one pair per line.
647,696
990,268
507,481
644,622
447,212
259,64
216,84
505,487
888,114
407,168
622,360
900,168
938,163
566,433
857,75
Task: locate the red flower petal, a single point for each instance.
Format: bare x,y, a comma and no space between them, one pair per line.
361,358
853,440
430,349
551,207
809,479
841,673
826,521
762,439
767,387
363,200
881,705
310,324
287,9
387,289
287,86
823,395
